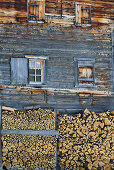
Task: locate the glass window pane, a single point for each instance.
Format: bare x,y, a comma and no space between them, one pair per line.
38,65
32,78
38,78
32,71
31,65
85,72
38,71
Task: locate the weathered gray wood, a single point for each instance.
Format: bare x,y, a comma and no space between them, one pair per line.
19,71
56,159
113,59
30,132
55,111
76,72
0,138
62,45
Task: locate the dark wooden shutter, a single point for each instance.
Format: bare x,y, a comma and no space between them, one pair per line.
19,71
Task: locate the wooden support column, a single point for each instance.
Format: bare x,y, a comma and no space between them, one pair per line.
0,138
56,157
61,9
55,111
45,96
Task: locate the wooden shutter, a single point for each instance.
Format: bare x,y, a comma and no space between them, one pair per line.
36,10
44,71
19,71
83,13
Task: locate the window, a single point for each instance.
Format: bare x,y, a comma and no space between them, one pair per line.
85,72
35,71
36,10
83,13
85,75
28,70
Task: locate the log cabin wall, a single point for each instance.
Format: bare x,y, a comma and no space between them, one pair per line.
63,47
67,49
17,11
13,11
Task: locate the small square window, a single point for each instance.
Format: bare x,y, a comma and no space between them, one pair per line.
36,10
83,13
35,71
85,72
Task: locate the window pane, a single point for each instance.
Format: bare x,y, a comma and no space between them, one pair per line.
38,78
32,71
32,78
31,64
85,72
38,71
38,65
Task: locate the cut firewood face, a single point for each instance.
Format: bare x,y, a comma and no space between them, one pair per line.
88,145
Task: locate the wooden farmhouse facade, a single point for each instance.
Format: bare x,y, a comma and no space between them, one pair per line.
57,54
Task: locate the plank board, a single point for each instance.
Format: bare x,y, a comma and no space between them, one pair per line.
30,132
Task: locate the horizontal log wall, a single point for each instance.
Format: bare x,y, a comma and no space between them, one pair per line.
16,11
63,47
13,11
22,98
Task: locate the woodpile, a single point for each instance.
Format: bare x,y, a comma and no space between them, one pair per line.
41,119
86,141
28,152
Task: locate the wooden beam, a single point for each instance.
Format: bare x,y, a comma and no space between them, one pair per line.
30,132
56,157
8,108
61,9
55,111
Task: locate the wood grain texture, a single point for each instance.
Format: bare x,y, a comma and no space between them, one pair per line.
63,47
16,11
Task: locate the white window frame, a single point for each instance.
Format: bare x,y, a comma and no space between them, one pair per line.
42,60
35,75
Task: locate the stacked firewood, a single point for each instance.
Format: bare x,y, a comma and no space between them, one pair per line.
86,141
28,152
41,119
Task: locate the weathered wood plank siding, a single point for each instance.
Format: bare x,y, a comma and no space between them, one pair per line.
63,46
16,11
13,11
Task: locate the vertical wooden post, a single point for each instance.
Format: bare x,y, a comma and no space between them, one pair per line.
0,138
56,157
61,9
44,9
55,111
